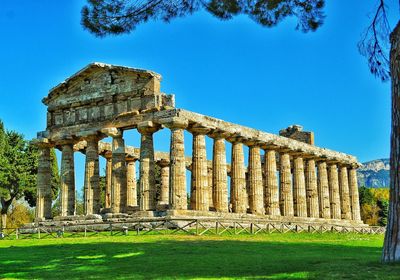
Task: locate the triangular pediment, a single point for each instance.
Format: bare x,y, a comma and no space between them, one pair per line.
100,92
99,80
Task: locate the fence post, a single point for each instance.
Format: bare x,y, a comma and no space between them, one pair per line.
39,232
16,234
85,230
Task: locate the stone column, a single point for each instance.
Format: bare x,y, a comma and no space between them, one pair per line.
323,191
108,181
67,181
131,182
177,183
271,191
334,192
299,186
118,181
220,175
256,197
164,192
355,200
147,187
238,179
199,188
210,186
92,196
286,192
312,190
344,193
43,200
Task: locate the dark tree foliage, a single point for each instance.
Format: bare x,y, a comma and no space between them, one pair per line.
374,44
113,17
366,196
383,212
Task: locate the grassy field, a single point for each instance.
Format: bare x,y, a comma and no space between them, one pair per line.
273,256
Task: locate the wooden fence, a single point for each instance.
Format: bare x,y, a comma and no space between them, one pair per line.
177,226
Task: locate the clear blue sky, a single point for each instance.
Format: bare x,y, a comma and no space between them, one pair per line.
235,70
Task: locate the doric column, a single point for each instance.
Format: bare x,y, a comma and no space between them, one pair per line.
118,177
323,191
247,198
238,179
344,193
256,197
164,191
271,191
355,201
131,182
147,187
177,183
334,192
312,190
210,186
199,187
299,186
67,181
286,192
92,196
108,181
220,175
43,200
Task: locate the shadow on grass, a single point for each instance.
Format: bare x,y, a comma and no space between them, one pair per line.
194,259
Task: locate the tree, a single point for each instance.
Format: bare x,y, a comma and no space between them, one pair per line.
375,46
113,17
18,171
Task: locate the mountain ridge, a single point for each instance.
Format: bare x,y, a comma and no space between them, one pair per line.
374,174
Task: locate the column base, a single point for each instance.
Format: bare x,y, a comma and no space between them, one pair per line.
150,216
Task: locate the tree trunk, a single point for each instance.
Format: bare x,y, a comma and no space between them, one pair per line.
5,205
3,220
391,249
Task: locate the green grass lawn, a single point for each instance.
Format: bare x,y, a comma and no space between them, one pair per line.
272,256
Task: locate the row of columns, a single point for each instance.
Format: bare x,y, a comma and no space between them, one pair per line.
330,193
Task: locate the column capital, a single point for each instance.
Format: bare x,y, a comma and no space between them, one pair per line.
147,127
343,164
235,138
355,165
108,155
321,159
112,132
42,143
218,134
332,163
130,159
198,129
174,123
163,162
253,143
269,147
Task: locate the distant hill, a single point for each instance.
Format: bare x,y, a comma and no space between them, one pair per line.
374,174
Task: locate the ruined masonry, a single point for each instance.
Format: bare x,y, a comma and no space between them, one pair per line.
286,179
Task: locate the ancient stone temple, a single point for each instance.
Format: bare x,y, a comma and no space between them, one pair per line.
286,177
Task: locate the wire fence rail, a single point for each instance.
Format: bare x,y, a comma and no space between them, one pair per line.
197,227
